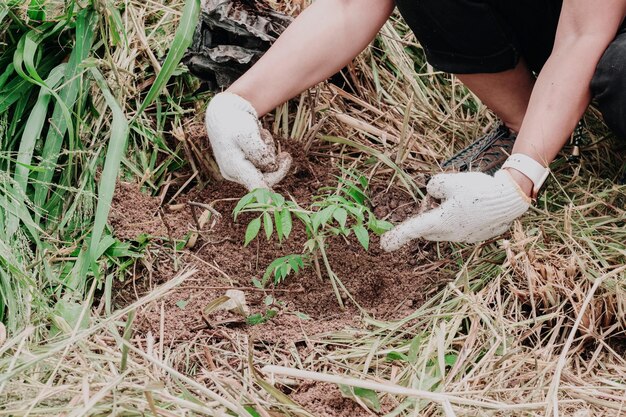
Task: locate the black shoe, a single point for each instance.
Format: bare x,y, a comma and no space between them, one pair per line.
487,154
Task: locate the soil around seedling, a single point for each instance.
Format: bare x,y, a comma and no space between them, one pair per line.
387,286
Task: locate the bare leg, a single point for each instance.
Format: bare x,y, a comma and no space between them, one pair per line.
506,93
322,40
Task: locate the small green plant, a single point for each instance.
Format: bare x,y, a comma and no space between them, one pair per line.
260,318
339,211
272,307
281,267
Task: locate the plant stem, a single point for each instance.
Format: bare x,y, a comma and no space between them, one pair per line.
331,274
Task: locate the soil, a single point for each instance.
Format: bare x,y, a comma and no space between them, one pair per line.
324,399
386,285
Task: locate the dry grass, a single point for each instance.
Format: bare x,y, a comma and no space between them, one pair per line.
532,325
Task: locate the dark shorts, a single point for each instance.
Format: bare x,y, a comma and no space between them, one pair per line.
483,36
489,36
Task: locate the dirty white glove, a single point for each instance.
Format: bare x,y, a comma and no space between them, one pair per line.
245,153
475,207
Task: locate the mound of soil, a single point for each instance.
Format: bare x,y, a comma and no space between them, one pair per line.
385,285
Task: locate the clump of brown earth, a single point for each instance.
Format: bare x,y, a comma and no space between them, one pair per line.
385,285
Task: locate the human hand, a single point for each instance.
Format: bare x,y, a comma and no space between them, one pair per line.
245,153
475,207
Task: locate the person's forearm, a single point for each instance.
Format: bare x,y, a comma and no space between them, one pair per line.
322,40
560,97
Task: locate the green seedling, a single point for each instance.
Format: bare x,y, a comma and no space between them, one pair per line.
339,211
260,318
272,307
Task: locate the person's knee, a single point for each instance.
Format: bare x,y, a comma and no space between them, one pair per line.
608,86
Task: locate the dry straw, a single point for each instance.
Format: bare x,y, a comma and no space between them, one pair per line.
533,324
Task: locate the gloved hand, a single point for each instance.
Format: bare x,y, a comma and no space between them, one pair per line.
245,153
475,207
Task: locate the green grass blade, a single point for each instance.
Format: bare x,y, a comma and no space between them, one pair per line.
116,25
85,23
17,87
36,10
4,11
8,71
32,132
115,152
182,40
25,59
8,204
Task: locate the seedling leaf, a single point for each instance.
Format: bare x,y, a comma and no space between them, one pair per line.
369,397
262,195
252,230
277,199
279,225
450,359
322,217
267,225
281,273
357,195
361,234
252,411
356,211
341,215
241,204
302,316
280,268
304,218
363,181
379,226
397,356
286,223
255,319
296,263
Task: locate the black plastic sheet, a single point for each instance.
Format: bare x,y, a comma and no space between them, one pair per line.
230,37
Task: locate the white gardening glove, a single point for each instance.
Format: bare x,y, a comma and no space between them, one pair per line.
475,207
245,153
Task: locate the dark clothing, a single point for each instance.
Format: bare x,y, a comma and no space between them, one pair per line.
483,36
608,85
490,36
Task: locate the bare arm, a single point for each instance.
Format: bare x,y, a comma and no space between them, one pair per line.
561,93
322,40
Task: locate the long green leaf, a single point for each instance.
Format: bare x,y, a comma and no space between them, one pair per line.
32,131
115,151
286,222
252,230
182,40
18,87
10,196
8,71
85,23
4,11
24,58
362,236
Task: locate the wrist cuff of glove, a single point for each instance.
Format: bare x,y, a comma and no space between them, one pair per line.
536,172
233,101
